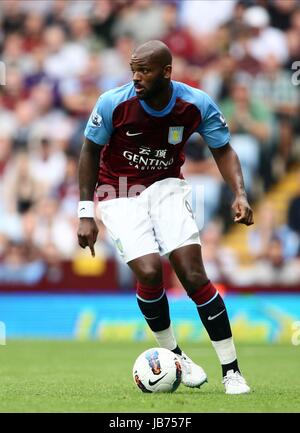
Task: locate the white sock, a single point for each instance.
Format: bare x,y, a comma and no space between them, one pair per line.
225,350
166,338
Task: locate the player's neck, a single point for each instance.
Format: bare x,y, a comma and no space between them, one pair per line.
161,101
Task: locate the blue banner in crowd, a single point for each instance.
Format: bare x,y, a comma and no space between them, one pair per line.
255,318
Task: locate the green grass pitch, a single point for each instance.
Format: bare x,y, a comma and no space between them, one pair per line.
72,376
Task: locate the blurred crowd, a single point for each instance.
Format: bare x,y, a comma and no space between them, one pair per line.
59,55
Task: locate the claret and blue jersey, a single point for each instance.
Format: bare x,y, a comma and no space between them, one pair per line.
145,145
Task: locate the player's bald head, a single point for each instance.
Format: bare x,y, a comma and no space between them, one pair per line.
154,52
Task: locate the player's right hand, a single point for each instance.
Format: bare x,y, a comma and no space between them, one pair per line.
87,233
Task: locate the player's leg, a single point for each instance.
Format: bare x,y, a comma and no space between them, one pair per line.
178,237
188,265
152,299
173,224
128,223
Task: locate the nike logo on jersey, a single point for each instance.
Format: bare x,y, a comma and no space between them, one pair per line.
82,209
213,317
156,381
129,134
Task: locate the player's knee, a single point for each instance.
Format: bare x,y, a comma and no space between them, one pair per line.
195,280
150,276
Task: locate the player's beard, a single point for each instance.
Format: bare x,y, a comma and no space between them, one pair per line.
155,91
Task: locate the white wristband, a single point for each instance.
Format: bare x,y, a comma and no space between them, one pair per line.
86,209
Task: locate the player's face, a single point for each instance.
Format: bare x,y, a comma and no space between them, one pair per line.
149,78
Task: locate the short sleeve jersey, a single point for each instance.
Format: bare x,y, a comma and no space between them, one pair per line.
143,145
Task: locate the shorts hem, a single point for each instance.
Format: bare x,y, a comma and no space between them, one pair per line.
137,256
193,239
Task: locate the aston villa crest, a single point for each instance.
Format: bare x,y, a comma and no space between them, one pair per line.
175,134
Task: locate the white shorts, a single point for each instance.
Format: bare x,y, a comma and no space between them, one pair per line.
159,220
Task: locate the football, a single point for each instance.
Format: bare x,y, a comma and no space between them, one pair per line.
157,370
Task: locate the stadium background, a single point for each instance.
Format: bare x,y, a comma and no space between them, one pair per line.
58,56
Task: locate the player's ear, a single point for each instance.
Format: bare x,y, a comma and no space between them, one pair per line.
168,71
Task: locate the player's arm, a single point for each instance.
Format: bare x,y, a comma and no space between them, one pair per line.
88,169
97,133
230,168
88,175
215,132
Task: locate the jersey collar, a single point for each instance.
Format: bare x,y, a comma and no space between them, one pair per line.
168,108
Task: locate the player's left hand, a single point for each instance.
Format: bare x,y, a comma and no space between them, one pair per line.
242,210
